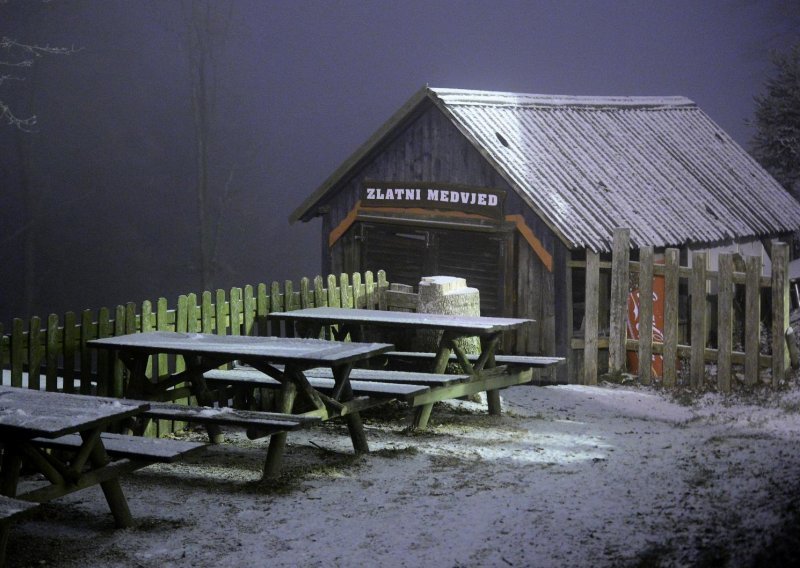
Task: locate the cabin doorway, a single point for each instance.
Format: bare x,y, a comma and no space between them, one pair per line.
407,253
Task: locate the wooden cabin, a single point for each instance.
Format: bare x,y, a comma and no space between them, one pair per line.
505,189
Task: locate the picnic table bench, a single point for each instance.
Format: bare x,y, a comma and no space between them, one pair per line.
32,422
257,423
283,359
125,446
417,389
343,322
370,386
525,361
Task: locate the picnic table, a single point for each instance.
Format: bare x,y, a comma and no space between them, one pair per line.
31,421
283,359
348,321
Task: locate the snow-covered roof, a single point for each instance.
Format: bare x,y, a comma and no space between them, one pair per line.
657,165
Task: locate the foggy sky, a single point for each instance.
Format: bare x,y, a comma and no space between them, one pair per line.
299,86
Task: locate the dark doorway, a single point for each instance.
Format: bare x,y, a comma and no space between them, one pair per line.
409,253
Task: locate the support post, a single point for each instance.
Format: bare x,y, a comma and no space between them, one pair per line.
780,311
620,283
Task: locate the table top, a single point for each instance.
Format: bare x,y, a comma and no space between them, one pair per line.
31,413
272,349
474,325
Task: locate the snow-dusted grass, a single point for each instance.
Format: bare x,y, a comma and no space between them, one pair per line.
568,476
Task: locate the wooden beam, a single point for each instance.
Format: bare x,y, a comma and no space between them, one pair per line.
620,283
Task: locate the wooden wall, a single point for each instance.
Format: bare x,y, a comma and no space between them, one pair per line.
429,148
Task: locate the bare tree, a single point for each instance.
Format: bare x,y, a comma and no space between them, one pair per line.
18,64
207,30
16,60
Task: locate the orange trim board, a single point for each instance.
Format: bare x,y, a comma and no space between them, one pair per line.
344,225
352,216
518,220
535,244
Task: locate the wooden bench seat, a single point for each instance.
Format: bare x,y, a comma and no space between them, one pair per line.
427,388
266,423
377,384
136,448
527,361
398,377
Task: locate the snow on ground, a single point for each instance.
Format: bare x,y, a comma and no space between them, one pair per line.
568,476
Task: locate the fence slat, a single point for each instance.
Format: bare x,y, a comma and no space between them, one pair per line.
161,362
620,284
752,323
52,353
35,352
249,311
780,311
369,291
221,311
334,301
320,294
262,309
193,317
88,331
104,370
276,305
148,324
646,315
358,291
345,291
235,310
206,313
288,296
117,387
18,352
70,340
162,324
306,301
697,289
671,261
725,322
590,321
181,323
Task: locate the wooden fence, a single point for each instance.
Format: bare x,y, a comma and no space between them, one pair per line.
52,353
732,280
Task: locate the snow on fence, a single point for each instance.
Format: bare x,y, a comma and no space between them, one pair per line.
51,353
735,328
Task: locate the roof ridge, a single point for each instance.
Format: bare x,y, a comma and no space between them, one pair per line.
503,98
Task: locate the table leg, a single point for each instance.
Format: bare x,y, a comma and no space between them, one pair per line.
277,442
344,392
423,413
195,370
111,488
486,360
5,527
421,416
11,464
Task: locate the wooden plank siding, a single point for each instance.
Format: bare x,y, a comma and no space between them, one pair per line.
432,149
686,365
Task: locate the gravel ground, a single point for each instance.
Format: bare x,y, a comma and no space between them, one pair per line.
568,476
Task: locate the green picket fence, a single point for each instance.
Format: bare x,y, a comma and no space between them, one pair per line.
52,353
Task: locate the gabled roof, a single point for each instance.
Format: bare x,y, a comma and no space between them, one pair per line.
657,165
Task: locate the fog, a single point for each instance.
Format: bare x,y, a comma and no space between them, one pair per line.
99,200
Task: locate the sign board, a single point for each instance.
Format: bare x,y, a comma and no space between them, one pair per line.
469,199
